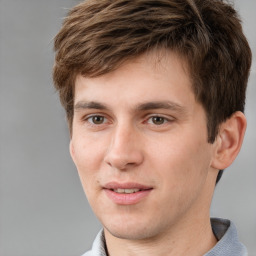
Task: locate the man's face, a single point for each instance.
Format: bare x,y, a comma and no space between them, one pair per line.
139,143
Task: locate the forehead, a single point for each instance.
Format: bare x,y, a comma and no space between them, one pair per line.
154,76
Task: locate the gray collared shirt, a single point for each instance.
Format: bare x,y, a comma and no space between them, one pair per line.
224,230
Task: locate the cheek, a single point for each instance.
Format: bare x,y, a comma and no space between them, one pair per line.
182,170
87,153
181,160
87,156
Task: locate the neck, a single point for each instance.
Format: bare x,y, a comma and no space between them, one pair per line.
193,238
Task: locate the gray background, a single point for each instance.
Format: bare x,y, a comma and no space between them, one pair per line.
43,210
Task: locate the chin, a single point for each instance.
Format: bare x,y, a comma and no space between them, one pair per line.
134,230
138,234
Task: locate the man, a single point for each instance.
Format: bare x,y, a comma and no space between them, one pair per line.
154,93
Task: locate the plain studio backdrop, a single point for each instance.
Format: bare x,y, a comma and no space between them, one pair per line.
43,210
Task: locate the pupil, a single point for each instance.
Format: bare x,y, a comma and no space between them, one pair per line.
158,120
98,119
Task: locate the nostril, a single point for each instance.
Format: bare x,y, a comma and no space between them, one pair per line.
124,161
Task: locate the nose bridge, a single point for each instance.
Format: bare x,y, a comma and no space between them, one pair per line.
122,136
124,148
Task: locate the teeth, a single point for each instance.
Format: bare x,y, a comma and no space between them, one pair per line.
126,190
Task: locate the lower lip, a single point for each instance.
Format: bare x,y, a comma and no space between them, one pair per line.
127,199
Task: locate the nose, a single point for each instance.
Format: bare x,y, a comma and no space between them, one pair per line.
125,149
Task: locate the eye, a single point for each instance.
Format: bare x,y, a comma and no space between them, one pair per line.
96,120
157,120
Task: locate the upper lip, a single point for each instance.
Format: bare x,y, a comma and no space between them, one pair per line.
127,185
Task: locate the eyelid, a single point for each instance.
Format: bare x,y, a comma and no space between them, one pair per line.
167,119
146,119
91,117
87,117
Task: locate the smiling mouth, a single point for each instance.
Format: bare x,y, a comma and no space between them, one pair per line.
127,190
128,193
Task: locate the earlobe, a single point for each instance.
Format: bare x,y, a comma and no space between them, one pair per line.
229,141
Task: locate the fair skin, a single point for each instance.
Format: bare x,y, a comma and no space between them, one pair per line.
139,142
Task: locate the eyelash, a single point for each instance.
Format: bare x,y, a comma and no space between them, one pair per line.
87,119
165,120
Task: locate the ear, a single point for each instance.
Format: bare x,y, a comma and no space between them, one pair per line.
72,150
229,141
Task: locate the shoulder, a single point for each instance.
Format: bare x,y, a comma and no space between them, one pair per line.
89,253
228,241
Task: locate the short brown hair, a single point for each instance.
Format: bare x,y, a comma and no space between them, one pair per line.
99,35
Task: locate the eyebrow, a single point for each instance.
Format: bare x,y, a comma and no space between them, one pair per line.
169,105
89,105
